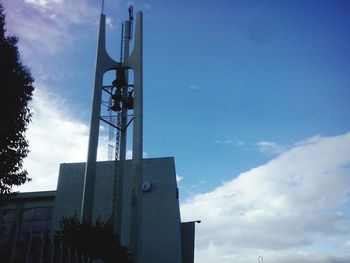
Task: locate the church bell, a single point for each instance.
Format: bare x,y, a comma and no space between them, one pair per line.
120,81
116,106
129,102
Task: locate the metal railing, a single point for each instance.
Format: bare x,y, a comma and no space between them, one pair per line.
41,248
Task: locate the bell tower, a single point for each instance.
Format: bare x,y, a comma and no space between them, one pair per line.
125,97
140,194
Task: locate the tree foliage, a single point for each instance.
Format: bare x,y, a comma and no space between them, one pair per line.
98,241
16,87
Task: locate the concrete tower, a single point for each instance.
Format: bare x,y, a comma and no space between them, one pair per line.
141,194
131,219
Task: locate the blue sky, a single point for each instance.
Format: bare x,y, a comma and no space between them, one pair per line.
250,97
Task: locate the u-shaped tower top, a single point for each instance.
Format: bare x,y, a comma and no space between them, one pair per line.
105,63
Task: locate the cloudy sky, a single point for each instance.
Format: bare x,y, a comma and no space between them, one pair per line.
250,97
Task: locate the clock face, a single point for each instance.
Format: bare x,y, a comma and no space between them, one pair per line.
146,186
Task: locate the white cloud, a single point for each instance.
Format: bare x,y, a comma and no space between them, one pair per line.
109,22
179,178
54,137
42,3
269,147
346,244
281,210
67,11
47,26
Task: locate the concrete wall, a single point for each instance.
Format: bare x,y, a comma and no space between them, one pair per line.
187,241
70,189
161,216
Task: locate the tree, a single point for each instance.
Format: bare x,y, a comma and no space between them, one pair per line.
98,241
16,88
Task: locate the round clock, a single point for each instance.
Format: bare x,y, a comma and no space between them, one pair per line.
146,186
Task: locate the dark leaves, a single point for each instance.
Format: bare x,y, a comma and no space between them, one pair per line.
16,88
95,240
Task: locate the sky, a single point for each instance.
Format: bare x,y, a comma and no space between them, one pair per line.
250,97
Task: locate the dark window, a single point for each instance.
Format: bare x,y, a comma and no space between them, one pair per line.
6,228
25,227
43,213
9,215
28,214
36,220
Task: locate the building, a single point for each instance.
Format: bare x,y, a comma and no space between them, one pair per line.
36,215
161,232
140,194
25,217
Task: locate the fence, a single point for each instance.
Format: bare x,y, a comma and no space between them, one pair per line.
42,249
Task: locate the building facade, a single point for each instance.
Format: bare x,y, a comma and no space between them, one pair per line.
25,220
28,218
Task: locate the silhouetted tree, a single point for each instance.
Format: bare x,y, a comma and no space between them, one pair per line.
98,241
15,92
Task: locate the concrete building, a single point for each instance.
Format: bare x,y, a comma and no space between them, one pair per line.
140,194
161,230
25,217
165,238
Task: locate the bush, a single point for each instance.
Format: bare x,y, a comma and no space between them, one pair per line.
98,241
